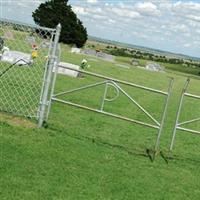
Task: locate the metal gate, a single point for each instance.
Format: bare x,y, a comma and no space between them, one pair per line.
179,125
116,84
27,56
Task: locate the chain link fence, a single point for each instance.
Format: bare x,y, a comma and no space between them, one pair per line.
27,55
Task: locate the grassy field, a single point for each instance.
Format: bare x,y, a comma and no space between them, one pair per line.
83,155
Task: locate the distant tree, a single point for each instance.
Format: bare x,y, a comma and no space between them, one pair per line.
53,12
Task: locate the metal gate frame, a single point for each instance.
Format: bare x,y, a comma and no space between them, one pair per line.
114,83
52,62
178,125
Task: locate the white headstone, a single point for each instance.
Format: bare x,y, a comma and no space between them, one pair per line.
75,50
154,67
30,39
16,57
67,72
45,45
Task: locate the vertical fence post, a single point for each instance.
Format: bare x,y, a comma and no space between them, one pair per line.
104,96
178,113
54,82
164,115
48,75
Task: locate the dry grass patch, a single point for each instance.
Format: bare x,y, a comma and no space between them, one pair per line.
16,121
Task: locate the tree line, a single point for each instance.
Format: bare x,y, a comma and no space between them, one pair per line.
133,53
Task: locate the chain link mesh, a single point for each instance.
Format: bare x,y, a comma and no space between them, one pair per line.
24,54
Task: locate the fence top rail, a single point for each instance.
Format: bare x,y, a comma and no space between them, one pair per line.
3,20
188,130
192,95
116,80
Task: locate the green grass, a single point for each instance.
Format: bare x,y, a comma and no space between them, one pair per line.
84,155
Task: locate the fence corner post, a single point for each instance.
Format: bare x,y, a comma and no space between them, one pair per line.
47,78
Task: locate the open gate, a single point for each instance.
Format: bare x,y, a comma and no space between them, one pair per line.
180,125
116,84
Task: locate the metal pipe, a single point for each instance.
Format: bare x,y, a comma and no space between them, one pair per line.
54,80
164,114
189,121
178,113
106,113
192,96
81,88
44,76
104,96
117,91
116,80
137,104
48,78
13,65
188,130
3,20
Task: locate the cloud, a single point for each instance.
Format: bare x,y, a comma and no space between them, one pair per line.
164,24
79,10
187,45
147,8
125,13
188,10
92,1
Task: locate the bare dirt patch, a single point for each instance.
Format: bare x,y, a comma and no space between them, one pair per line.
17,121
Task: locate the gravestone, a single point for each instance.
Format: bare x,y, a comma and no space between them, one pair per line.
75,50
17,57
155,67
105,56
134,62
45,45
30,39
90,52
67,72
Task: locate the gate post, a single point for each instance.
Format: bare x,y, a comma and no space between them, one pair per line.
164,115
53,82
47,78
178,113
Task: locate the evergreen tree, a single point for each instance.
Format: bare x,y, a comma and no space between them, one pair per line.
53,12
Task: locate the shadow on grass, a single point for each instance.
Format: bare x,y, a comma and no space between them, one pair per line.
184,159
147,153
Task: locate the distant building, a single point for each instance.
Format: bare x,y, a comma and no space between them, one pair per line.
155,67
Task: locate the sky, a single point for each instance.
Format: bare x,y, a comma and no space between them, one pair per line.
171,25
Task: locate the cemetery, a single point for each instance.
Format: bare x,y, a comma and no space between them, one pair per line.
99,54
79,123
